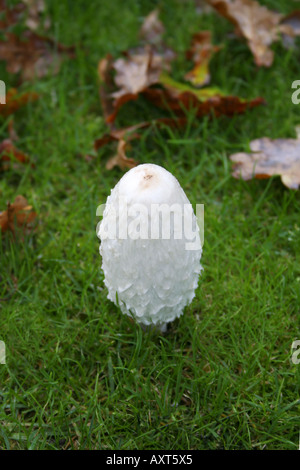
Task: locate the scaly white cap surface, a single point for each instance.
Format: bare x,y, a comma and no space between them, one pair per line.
151,279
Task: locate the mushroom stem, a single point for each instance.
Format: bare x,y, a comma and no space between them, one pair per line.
159,327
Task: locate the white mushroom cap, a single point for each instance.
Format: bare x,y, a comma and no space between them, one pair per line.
151,278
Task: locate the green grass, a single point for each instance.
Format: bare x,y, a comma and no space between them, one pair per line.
78,373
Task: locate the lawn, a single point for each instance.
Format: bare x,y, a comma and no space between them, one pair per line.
79,374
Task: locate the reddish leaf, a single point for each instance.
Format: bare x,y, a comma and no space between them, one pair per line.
137,75
18,214
180,97
129,133
143,71
120,158
32,55
10,16
13,136
8,150
106,88
126,134
14,101
119,134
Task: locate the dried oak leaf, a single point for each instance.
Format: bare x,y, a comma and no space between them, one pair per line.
259,25
32,55
133,73
270,157
200,52
35,14
126,134
28,12
151,34
119,136
129,133
152,28
202,7
8,150
13,136
17,215
120,158
14,100
292,21
138,73
106,88
137,70
10,15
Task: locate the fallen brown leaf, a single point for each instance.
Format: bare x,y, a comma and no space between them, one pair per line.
152,28
144,70
111,102
292,21
120,158
137,74
125,135
180,97
35,12
259,25
10,15
106,88
129,133
134,73
28,53
13,136
151,34
8,150
32,55
14,100
18,214
200,52
120,134
28,12
138,69
202,7
270,157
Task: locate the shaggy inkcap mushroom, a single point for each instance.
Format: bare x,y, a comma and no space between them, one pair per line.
150,246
